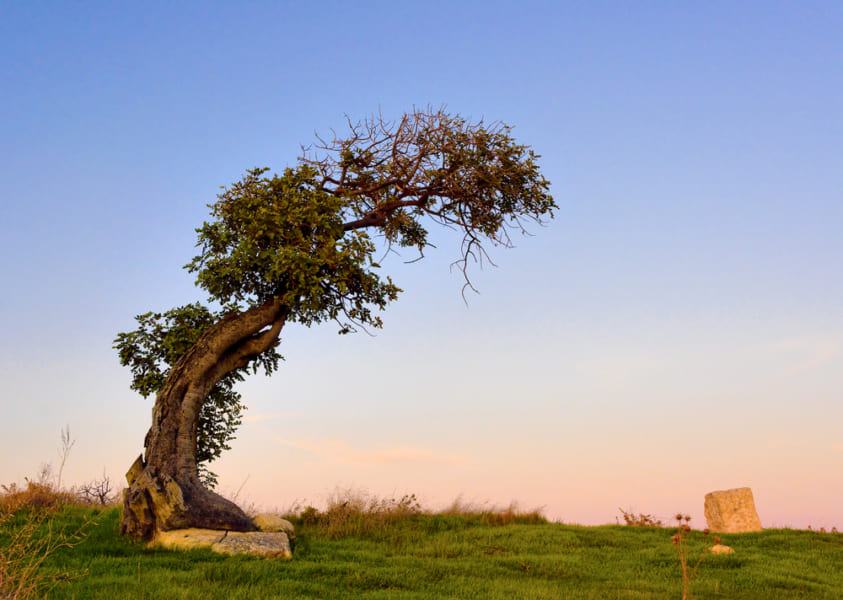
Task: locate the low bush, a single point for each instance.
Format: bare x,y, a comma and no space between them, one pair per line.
35,495
351,513
640,520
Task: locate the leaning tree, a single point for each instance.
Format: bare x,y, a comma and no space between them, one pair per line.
298,248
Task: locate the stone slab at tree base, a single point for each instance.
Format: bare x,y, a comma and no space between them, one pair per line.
257,543
731,511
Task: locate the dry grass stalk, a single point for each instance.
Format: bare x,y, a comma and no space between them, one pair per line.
28,537
66,445
352,512
35,495
680,540
28,534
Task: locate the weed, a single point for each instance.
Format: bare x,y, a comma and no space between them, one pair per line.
640,520
680,540
29,533
823,530
28,536
66,445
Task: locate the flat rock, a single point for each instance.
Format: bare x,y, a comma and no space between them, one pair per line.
721,549
258,543
731,511
188,538
274,544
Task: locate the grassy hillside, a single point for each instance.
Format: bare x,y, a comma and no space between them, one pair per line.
437,556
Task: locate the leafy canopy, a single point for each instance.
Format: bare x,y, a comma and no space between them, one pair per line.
282,237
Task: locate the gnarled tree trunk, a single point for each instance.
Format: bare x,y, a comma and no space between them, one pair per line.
164,490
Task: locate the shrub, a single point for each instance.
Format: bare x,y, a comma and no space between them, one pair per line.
640,520
34,495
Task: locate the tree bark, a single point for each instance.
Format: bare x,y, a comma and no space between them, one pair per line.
164,490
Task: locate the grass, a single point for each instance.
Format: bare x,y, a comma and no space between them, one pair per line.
458,555
53,544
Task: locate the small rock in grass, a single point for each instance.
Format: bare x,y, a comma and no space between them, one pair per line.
269,522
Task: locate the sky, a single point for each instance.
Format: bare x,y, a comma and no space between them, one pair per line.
676,329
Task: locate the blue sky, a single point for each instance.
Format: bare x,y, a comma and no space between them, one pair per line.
677,329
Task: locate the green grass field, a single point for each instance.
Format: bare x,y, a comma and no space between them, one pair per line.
439,556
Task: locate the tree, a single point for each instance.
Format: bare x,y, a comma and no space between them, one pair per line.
297,248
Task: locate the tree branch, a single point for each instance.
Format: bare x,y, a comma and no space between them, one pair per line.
246,350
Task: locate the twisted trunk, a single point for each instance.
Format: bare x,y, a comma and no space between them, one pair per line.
164,490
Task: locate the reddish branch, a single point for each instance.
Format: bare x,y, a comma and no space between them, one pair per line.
468,176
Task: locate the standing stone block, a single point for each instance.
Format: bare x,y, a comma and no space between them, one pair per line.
731,511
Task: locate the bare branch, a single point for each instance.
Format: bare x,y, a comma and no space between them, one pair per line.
469,176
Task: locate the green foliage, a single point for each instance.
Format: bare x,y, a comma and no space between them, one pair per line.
282,237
